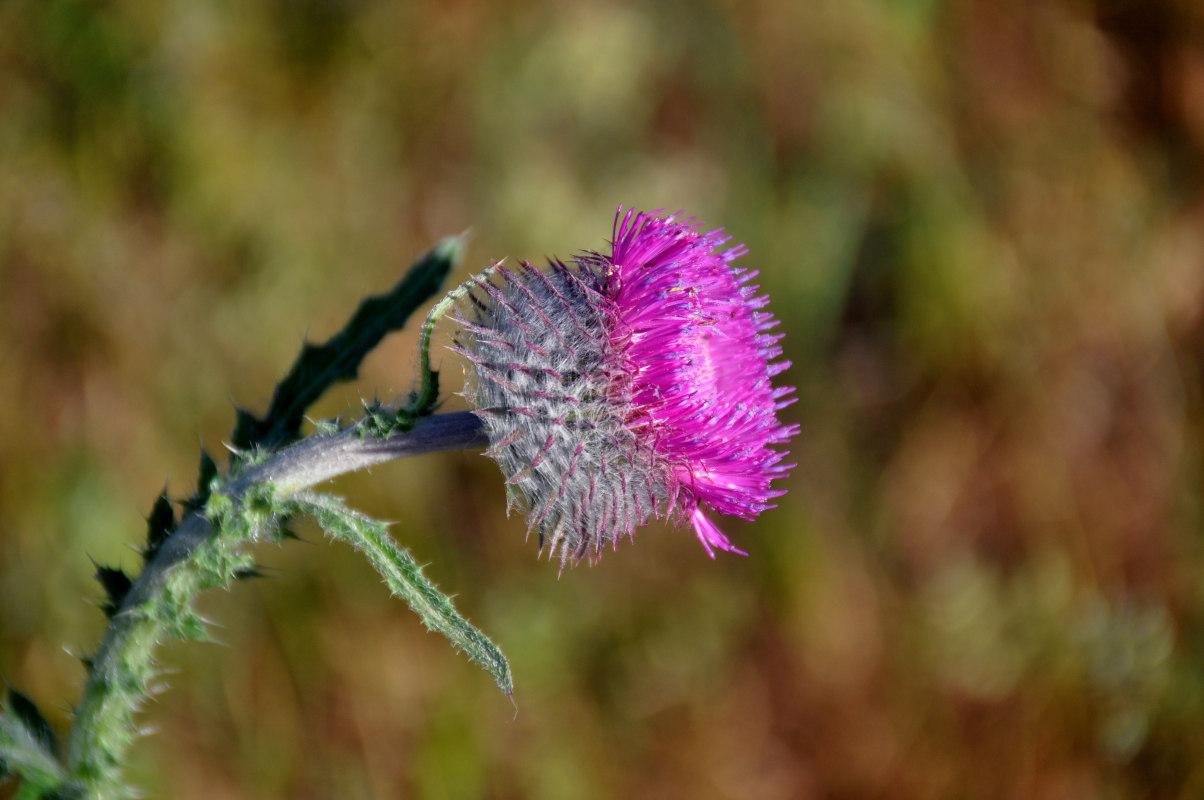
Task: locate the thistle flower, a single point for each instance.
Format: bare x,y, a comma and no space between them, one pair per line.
623,387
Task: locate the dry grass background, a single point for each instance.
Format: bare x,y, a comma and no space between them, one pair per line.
982,224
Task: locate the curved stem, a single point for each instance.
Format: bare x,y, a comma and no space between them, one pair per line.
123,666
320,458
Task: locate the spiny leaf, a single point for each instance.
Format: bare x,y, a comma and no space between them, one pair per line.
27,712
159,525
404,577
204,483
29,749
116,583
247,573
320,366
248,428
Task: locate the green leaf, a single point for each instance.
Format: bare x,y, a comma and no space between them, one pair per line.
248,428
116,583
159,525
30,749
404,577
247,573
27,712
320,366
204,484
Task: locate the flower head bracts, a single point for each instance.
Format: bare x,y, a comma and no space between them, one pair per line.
543,389
629,385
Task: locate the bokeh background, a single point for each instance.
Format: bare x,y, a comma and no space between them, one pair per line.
981,223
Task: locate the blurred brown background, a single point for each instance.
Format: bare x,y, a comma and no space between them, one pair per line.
982,223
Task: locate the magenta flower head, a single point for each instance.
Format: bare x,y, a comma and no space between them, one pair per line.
629,386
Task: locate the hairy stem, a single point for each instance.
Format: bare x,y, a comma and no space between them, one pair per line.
320,458
203,552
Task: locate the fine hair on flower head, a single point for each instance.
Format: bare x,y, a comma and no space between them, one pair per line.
629,385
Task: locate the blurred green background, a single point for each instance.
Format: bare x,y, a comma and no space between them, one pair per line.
981,222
